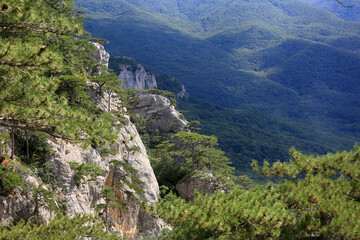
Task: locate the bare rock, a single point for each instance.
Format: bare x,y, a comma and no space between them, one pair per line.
136,76
161,116
101,55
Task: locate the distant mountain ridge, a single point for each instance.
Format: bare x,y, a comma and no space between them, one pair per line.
281,57
348,14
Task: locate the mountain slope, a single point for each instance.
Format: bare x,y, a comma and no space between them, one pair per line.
246,135
282,58
348,14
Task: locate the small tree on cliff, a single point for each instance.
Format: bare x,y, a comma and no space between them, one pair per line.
110,83
111,201
194,145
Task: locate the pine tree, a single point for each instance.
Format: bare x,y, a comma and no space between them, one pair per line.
194,145
42,198
60,227
111,201
110,83
319,200
40,57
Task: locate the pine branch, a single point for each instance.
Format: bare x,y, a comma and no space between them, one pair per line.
10,27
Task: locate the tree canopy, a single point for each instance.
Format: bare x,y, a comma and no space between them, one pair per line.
320,199
45,64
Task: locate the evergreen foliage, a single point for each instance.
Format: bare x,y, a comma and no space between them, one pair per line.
111,201
9,179
194,145
186,154
245,135
60,227
167,166
319,200
43,198
129,177
43,72
85,169
109,83
201,153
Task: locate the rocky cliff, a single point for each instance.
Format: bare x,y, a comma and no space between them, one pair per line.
101,55
132,220
161,117
135,75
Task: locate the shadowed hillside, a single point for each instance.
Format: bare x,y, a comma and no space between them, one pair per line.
283,58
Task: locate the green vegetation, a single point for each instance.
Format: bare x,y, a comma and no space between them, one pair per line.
111,201
348,14
9,179
282,58
42,198
84,170
41,89
46,76
166,82
187,154
320,200
166,165
46,71
246,135
78,227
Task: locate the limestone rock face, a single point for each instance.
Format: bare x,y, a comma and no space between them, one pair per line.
132,221
15,207
137,77
183,93
205,183
101,55
83,198
128,221
161,116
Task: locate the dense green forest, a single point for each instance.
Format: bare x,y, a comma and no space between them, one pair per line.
342,11
283,58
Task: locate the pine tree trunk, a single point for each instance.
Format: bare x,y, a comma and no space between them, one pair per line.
36,210
193,158
109,101
27,146
324,221
113,178
12,143
106,211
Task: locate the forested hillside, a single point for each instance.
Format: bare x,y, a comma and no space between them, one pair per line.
349,10
283,58
245,134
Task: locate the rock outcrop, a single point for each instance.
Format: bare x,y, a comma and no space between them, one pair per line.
101,55
136,76
83,198
205,183
132,221
183,93
161,117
